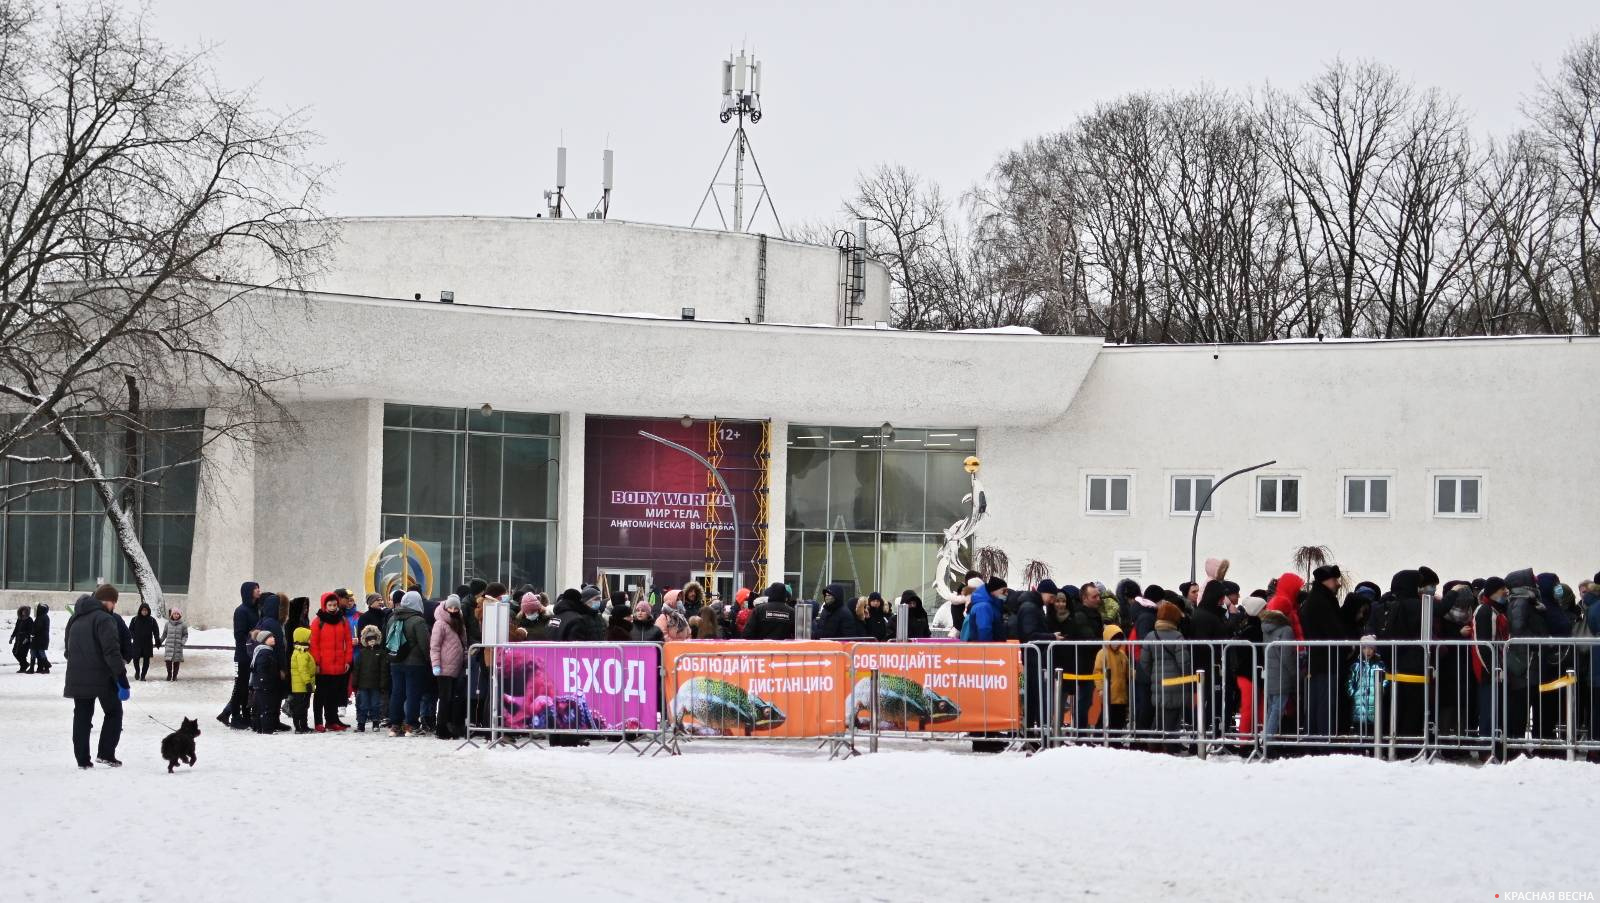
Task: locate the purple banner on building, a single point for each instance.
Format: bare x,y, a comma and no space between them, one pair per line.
572,687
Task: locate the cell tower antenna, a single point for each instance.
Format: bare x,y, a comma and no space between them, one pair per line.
741,99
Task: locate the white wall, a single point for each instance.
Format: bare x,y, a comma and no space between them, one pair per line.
317,496
606,266
1519,412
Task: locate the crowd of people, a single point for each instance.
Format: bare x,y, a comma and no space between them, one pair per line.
1296,657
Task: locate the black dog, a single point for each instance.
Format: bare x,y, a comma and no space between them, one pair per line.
178,746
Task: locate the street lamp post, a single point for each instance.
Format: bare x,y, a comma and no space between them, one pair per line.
732,506
1194,537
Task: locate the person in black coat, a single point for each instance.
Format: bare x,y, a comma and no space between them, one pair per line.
268,607
916,616
96,672
22,639
145,630
772,619
574,622
838,619
236,713
40,645
1320,619
877,623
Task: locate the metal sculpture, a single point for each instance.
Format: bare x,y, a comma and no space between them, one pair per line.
958,534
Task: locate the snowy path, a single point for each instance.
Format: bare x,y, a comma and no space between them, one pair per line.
253,819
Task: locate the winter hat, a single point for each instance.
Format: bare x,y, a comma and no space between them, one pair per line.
1326,572
569,595
874,595
589,594
1253,605
371,635
1229,588
530,605
1492,585
452,602
373,597
974,582
1047,587
1073,593
777,592
174,611
302,636
1370,588
742,595
995,584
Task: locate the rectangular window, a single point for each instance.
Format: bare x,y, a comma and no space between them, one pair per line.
1189,492
1366,496
867,506
1108,494
1278,496
482,487
1457,496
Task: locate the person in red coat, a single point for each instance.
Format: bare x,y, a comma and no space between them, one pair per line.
332,650
1287,600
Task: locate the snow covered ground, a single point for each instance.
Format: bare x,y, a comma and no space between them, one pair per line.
414,819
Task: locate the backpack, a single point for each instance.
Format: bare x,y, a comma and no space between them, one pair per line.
396,641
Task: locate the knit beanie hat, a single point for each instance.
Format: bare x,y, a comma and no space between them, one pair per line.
1048,587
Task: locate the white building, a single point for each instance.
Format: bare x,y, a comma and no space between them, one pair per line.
1471,456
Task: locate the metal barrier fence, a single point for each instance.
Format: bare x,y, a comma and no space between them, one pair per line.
1149,693
933,691
551,690
1549,699
760,690
1387,698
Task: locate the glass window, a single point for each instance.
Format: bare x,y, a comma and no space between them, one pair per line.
396,464
1187,492
483,488
435,474
1108,495
905,490
807,491
1366,496
866,505
529,487
482,492
852,490
1457,496
1278,495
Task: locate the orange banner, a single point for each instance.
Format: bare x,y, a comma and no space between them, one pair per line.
944,687
757,689
805,689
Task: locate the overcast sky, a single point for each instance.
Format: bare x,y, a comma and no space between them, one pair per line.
457,107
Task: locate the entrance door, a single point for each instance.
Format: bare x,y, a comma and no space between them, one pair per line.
634,582
723,585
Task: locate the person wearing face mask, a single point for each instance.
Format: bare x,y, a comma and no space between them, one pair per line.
575,622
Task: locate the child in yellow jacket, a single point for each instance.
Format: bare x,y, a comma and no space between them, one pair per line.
302,678
1112,661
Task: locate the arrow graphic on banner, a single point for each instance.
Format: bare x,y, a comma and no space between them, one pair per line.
799,664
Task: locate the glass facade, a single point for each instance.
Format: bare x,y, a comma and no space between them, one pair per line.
481,486
868,508
60,539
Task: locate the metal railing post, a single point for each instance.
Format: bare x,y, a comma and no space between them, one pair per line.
1377,714
1572,714
1055,703
1200,711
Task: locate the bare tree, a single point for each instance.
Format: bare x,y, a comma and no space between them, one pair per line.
1566,113
131,188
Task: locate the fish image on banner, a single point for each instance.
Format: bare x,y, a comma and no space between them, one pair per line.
903,704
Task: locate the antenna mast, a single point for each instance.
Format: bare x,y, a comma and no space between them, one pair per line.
741,97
